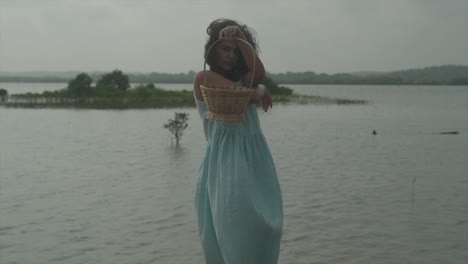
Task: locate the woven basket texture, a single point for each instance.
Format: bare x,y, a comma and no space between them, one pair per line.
226,103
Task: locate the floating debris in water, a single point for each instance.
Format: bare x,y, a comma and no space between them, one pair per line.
449,133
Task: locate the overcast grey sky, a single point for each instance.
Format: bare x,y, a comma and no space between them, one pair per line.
168,35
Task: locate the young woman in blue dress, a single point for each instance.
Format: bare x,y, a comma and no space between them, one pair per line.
238,198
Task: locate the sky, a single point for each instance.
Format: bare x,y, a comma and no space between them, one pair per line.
323,36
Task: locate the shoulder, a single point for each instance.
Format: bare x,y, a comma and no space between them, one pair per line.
208,75
199,79
205,76
198,76
196,85
201,75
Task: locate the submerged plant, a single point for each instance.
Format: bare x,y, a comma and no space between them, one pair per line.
177,125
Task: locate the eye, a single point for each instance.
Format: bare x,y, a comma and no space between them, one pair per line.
226,48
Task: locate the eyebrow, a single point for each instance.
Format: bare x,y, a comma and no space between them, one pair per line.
224,46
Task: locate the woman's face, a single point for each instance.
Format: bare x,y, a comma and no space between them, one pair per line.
227,54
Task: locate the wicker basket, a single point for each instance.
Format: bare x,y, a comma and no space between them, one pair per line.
226,103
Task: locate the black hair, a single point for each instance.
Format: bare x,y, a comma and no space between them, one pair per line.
213,30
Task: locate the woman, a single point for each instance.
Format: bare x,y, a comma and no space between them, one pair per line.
238,197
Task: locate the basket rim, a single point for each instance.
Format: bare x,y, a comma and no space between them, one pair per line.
215,86
233,90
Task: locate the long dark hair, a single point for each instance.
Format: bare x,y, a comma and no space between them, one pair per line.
213,30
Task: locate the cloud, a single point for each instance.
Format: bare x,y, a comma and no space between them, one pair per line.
168,36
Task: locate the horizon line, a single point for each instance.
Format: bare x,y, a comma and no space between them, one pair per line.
188,71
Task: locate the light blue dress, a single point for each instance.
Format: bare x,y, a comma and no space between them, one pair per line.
238,197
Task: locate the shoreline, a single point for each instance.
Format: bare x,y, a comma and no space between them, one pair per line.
124,103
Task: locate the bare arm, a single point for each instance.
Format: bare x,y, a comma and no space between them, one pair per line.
259,73
233,32
214,78
217,79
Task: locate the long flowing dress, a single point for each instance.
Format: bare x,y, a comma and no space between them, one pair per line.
238,197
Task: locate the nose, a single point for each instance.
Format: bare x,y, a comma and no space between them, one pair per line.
231,54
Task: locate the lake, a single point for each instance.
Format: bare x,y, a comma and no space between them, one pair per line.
106,186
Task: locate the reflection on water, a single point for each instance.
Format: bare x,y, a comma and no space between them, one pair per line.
176,150
95,186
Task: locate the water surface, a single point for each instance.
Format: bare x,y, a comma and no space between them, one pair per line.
106,186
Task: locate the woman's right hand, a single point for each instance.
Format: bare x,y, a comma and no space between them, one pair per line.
231,32
267,101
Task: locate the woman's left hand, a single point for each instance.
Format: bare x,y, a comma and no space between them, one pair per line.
267,101
231,32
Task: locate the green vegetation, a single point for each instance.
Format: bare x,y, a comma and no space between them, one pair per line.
276,90
114,80
81,85
284,94
459,81
63,77
314,99
113,91
177,125
3,95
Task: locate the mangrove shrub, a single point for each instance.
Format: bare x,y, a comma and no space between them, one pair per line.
177,125
80,85
116,80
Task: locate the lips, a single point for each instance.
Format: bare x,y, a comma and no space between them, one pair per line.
229,64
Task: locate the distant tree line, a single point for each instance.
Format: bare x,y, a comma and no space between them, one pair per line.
35,79
435,75
153,77
156,77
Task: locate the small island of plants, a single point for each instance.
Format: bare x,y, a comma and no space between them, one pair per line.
113,91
